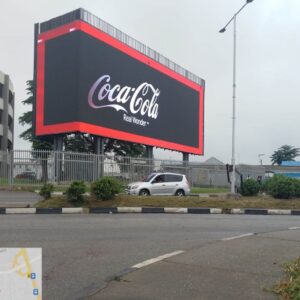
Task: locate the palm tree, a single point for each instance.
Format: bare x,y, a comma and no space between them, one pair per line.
284,153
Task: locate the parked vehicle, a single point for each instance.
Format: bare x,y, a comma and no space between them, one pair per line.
160,184
27,175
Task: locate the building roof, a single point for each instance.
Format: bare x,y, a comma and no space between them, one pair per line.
213,161
290,163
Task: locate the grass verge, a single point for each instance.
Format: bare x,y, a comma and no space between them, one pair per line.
62,188
207,190
172,201
289,288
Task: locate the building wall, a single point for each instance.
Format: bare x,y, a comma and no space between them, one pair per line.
7,105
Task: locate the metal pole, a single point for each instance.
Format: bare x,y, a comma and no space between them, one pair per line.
233,106
99,151
10,155
185,160
234,91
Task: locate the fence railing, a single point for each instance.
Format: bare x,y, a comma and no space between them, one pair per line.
26,167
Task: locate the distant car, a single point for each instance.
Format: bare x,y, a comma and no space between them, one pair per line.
27,175
160,184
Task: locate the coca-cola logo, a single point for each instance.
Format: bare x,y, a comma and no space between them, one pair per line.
141,100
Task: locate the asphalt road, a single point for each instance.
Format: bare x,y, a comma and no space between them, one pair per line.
90,256
18,199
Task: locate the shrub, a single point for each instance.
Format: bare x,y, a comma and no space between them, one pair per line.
265,186
47,190
250,187
296,183
106,188
75,191
281,187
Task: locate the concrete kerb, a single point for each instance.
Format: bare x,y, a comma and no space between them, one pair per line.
279,211
30,210
149,210
129,209
72,210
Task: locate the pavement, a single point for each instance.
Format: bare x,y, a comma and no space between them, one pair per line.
18,198
106,256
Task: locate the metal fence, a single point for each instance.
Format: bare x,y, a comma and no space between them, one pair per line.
21,167
25,167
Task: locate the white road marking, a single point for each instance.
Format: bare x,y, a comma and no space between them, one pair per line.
294,228
237,237
20,266
156,259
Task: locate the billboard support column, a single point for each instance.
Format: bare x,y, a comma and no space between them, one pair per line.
185,159
149,153
99,151
58,148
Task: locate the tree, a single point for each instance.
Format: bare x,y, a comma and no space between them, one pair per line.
26,118
123,151
284,153
41,145
78,142
38,143
121,148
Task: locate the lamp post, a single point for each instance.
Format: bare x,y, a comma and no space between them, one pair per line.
234,90
260,158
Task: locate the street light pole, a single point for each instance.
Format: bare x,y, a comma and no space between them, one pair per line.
260,158
234,92
233,106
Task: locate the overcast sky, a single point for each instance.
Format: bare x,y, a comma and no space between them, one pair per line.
268,61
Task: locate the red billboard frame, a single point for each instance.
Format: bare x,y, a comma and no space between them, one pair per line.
42,129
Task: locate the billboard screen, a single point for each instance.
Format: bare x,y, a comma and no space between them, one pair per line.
90,82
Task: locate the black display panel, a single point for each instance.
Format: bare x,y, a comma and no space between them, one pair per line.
89,83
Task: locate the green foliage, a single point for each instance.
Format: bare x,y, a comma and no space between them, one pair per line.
121,148
75,191
26,117
250,187
47,190
281,187
265,186
106,188
79,142
284,153
296,184
38,143
42,143
289,288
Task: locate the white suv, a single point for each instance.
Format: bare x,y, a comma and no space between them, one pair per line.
160,184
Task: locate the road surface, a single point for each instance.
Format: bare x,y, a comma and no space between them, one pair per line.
216,256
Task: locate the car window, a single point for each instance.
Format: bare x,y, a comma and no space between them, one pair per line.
159,178
173,178
147,179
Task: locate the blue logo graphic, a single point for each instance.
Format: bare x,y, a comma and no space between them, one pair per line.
35,292
33,276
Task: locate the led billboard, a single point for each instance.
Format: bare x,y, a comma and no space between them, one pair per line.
90,82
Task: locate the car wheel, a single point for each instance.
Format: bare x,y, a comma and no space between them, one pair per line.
144,192
180,193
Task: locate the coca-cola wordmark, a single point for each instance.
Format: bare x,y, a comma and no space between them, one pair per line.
142,100
87,81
